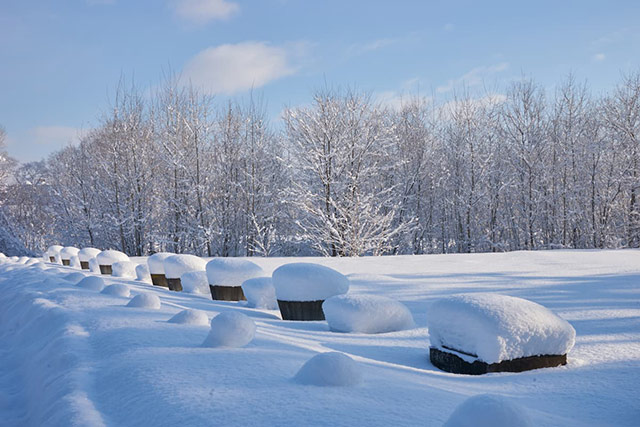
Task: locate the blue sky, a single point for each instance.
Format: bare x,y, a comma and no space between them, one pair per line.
60,60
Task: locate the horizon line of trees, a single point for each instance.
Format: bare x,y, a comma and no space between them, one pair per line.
342,176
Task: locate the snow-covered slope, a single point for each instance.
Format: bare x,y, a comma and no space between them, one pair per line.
73,356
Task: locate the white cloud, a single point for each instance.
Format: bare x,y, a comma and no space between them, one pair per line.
203,11
599,57
54,135
474,77
233,68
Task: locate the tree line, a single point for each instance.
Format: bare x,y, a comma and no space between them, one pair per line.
343,175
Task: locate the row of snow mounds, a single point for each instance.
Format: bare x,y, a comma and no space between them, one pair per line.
43,348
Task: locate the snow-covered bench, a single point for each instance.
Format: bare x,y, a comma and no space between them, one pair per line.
479,333
302,288
226,275
105,260
176,265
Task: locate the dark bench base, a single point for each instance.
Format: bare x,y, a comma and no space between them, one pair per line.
159,280
66,262
301,310
227,293
174,285
52,259
84,265
105,269
453,363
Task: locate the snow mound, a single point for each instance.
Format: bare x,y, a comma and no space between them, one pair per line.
369,314
260,293
74,277
487,410
230,329
302,281
110,256
176,265
39,265
23,259
497,327
93,266
32,261
68,252
190,317
2,255
125,269
145,301
117,290
142,273
195,282
86,254
330,369
155,262
75,262
92,283
231,271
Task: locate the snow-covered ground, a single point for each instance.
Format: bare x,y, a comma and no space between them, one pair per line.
74,356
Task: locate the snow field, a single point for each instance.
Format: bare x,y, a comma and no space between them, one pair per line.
117,366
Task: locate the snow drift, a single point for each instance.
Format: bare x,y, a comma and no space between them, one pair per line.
369,314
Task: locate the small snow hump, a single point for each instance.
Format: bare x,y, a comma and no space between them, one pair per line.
74,277
190,317
117,290
230,329
195,282
92,283
487,410
145,301
330,369
368,314
260,293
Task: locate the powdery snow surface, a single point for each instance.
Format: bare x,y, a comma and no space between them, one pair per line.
145,300
231,271
486,410
230,329
304,281
110,256
73,357
190,317
156,262
142,273
497,327
195,282
330,369
369,314
85,254
92,283
124,269
176,265
260,293
93,265
117,290
74,277
68,252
